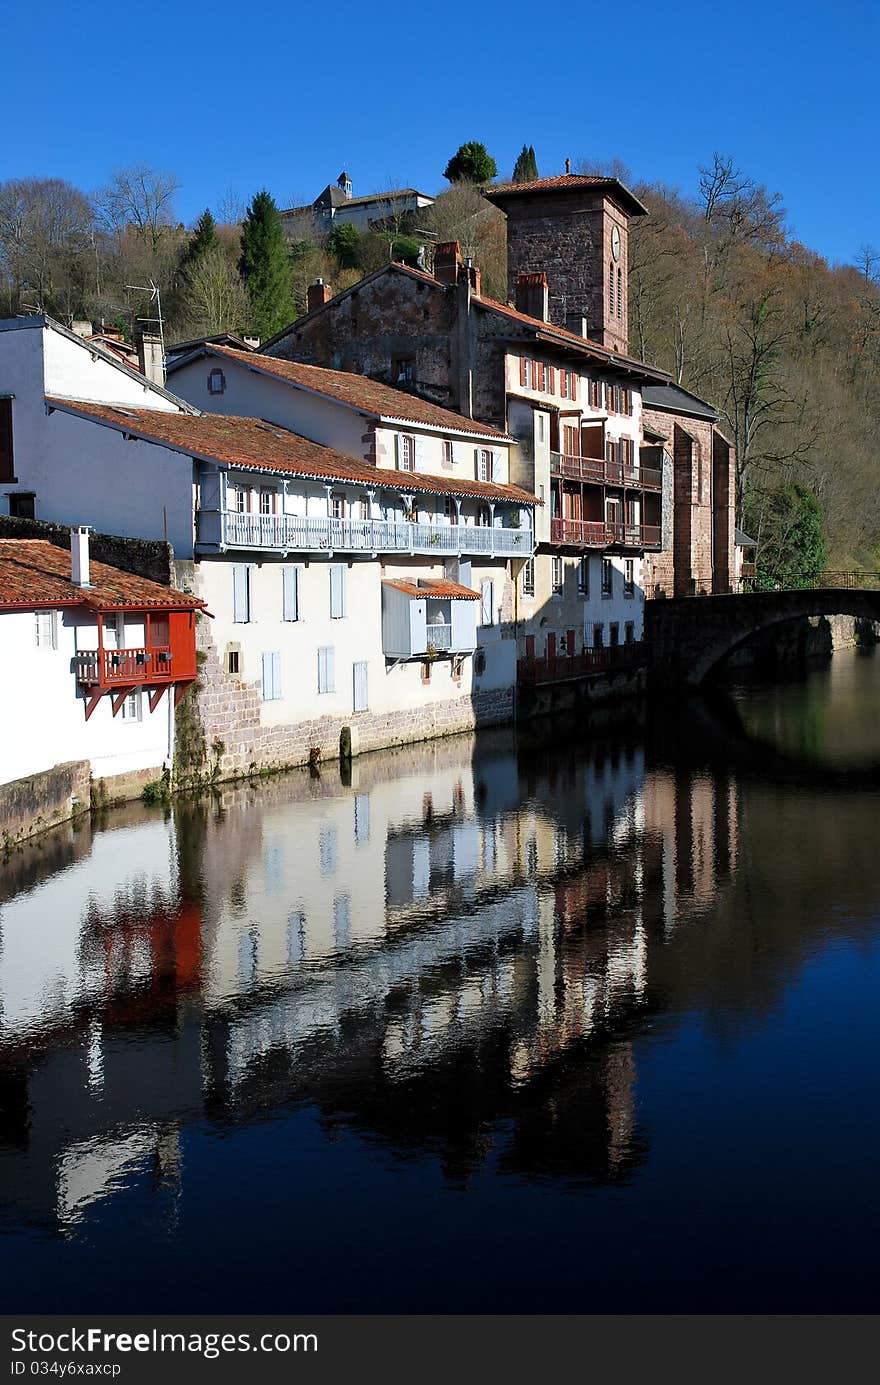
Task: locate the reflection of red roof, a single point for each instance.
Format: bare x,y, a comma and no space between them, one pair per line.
256,445
432,587
369,396
34,573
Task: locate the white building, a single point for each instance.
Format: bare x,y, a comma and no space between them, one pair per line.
302,553
337,205
90,653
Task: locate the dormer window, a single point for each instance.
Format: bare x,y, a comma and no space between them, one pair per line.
216,381
403,370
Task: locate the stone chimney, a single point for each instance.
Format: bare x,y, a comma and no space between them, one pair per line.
317,294
447,262
151,358
533,295
79,556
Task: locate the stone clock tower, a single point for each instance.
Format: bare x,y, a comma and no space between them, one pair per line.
575,228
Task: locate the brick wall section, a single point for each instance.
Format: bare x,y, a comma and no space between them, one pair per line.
40,801
149,558
703,507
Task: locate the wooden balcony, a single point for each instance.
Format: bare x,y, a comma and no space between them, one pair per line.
167,660
563,667
321,534
109,668
588,533
597,470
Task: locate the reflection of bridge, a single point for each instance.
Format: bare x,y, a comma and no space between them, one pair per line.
686,637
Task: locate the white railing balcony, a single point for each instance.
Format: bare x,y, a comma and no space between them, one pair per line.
223,529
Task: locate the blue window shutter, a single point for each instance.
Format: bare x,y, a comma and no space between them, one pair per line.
361,699
267,677
331,669
290,580
337,591
276,674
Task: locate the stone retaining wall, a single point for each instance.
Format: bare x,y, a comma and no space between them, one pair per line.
40,801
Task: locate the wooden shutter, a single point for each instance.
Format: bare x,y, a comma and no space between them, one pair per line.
553,379
241,604
522,370
7,461
290,586
337,591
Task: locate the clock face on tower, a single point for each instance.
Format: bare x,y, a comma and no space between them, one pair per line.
615,242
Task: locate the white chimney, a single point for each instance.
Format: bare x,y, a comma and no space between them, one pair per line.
79,556
151,358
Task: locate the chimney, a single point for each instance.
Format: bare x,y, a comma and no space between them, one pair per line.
577,323
79,556
533,295
473,274
447,262
151,357
317,294
568,165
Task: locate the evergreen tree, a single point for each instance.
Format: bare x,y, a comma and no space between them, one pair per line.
525,170
264,266
791,550
203,239
344,244
471,163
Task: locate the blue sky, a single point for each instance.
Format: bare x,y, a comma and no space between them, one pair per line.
233,98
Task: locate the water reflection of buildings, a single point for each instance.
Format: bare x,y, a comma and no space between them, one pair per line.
461,936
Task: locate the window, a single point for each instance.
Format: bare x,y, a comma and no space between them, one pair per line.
571,440
614,634
366,509
216,381
528,577
584,577
337,591
326,669
243,499
267,500
21,504
487,602
540,427
403,370
241,593
611,290
595,394
290,593
484,464
619,293
629,632
233,661
7,460
447,453
598,636
568,384
629,577
541,376
406,452
132,708
46,632
449,511
337,505
271,676
557,576
484,516
607,577
360,695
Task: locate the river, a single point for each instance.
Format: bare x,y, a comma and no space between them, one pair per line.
563,1020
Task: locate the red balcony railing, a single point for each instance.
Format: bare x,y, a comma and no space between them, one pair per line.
110,668
562,666
599,470
588,533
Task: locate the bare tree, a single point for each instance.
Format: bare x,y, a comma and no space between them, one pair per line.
213,298
141,197
45,234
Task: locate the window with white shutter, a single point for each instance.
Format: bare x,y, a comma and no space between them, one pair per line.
337,591
326,669
361,699
290,593
46,633
241,593
271,676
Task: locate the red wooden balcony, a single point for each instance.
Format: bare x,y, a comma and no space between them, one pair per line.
167,660
600,471
562,667
588,533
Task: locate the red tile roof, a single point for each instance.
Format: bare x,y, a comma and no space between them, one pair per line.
35,573
369,396
253,444
567,182
432,587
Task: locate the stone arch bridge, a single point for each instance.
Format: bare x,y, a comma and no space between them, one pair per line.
687,637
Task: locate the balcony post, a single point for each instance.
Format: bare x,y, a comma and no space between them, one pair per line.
457,500
492,528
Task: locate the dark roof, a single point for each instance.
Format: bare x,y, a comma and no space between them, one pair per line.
253,444
337,198
676,400
221,339
742,540
500,193
370,397
35,573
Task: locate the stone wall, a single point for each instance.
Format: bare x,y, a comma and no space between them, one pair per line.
150,558
611,686
42,800
702,508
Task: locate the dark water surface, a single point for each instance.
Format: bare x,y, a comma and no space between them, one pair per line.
499,1025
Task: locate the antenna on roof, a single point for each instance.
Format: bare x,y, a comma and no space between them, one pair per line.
155,297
